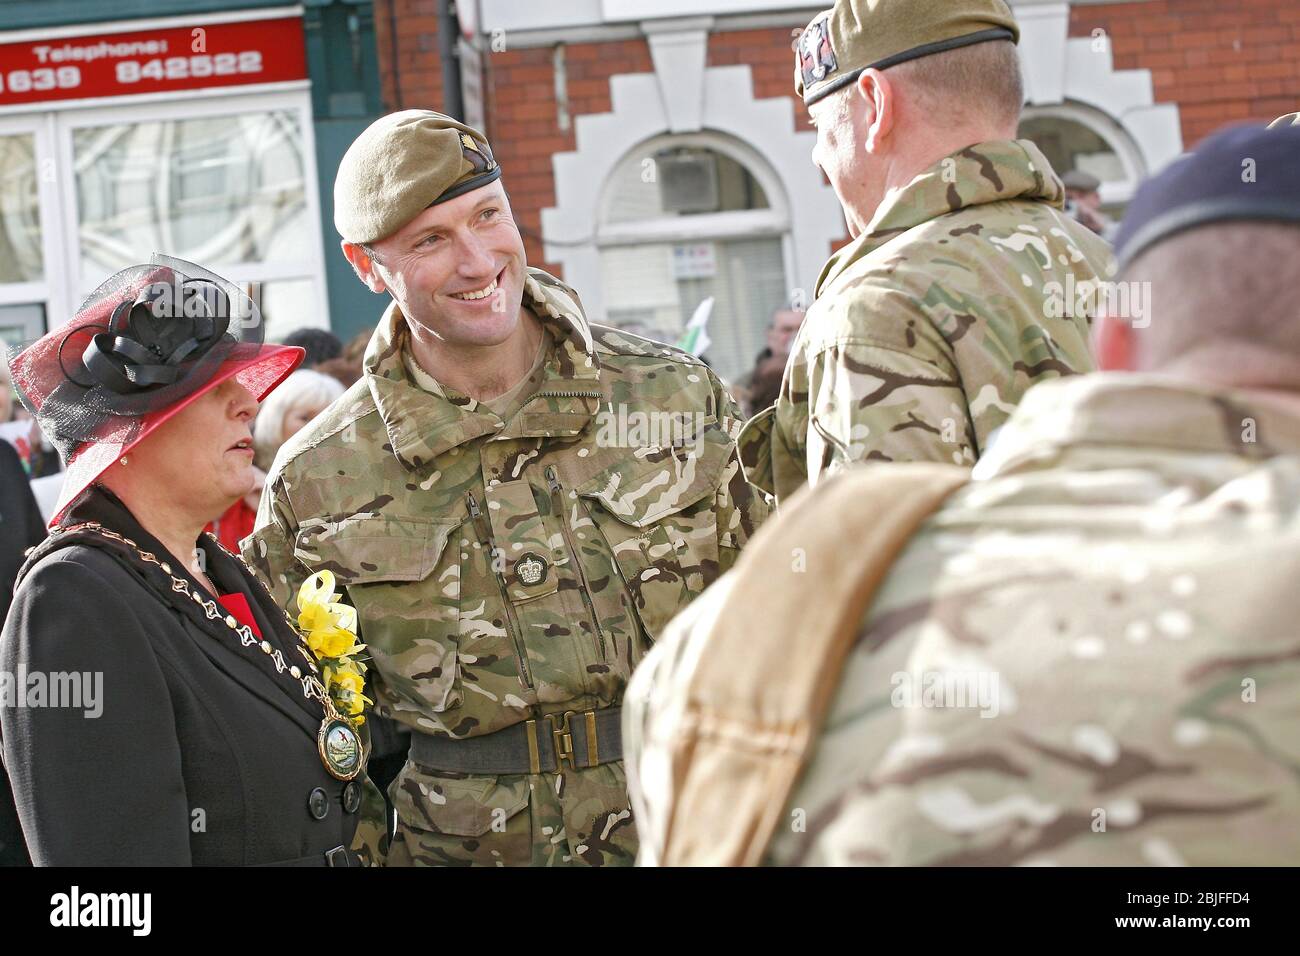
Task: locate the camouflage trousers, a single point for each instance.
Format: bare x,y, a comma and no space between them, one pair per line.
575,818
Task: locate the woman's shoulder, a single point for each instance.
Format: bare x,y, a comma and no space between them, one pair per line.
79,576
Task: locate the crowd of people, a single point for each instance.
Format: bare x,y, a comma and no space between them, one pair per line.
979,565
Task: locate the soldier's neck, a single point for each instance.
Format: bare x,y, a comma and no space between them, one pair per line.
486,372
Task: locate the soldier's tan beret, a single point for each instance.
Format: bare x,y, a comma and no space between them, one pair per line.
1291,119
402,164
857,35
1080,181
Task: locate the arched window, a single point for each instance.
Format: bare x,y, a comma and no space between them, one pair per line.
1074,136
691,217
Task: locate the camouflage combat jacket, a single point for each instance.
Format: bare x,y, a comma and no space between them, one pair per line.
604,532
1087,657
968,286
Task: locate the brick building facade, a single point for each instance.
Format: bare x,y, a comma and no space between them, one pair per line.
576,95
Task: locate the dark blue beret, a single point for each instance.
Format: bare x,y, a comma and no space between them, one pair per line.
1242,173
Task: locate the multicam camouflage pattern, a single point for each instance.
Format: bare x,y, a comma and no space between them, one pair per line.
403,494
928,328
1122,575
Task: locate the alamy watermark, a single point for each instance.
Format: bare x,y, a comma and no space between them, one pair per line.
947,689
72,689
617,427
1089,298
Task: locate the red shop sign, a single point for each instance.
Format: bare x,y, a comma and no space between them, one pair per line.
152,61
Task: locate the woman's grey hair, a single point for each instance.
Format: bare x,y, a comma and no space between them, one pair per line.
303,388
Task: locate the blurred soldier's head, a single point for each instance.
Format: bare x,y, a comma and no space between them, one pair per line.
423,216
894,86
1082,188
1215,241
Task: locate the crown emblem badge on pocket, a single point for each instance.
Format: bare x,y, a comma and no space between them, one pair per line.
531,569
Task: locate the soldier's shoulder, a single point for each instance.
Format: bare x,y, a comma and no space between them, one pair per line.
617,344
350,409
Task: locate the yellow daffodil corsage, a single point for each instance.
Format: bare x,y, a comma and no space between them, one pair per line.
330,629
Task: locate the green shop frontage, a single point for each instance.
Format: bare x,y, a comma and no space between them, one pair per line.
204,129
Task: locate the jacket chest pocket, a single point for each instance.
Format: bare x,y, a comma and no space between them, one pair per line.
509,567
655,511
404,580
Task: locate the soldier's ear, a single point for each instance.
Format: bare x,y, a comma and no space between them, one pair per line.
875,92
1115,343
363,265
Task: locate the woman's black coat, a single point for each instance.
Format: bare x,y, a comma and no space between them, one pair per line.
201,754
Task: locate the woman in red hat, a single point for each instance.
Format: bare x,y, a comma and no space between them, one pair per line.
160,709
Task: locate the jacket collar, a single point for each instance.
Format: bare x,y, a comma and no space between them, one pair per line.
424,424
1147,414
989,172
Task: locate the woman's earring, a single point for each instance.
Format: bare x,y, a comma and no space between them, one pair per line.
122,460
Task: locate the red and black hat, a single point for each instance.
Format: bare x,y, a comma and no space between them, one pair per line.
145,344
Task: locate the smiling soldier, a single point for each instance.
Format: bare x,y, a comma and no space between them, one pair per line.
509,565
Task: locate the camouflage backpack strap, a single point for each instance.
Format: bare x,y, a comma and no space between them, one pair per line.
758,695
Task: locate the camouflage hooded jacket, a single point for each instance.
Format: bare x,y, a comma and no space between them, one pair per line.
969,286
505,570
1087,657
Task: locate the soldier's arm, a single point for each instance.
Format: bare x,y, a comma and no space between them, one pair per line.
868,402
738,506
268,551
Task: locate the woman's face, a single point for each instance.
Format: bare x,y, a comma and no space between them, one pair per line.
297,417
204,455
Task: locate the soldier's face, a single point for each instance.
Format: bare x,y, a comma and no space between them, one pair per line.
456,270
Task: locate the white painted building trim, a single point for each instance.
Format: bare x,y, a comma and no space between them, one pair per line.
760,134
1075,78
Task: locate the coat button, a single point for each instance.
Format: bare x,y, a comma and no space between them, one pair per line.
352,797
318,802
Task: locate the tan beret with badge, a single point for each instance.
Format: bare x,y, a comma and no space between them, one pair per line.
858,35
402,164
1291,119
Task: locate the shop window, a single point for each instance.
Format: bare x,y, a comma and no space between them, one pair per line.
21,258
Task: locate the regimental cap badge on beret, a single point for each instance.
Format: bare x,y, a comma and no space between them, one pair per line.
816,52
858,35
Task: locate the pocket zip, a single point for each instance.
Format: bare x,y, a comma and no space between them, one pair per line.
557,497
483,530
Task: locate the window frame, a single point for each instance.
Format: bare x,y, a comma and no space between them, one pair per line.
1114,192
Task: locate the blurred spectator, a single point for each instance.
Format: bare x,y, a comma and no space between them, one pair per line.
6,395
37,455
758,390
347,366
21,525
236,522
321,345
302,397
1083,202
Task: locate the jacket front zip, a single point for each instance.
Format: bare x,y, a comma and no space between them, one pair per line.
557,499
484,530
